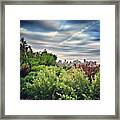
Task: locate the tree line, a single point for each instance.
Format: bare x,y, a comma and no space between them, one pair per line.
29,58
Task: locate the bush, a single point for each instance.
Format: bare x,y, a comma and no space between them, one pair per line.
24,69
55,83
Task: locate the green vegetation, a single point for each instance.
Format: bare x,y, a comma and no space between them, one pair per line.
42,79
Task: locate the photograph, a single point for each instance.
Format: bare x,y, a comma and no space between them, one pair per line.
59,59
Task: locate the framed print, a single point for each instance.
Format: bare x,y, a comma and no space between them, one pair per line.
60,59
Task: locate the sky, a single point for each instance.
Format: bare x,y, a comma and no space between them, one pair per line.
68,39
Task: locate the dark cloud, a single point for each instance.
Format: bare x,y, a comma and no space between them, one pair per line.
40,25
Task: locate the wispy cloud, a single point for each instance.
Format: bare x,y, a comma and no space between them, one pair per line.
68,39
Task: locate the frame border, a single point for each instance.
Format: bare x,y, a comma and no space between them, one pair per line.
55,2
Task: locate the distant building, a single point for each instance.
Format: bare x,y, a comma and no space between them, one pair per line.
76,62
84,60
79,64
60,62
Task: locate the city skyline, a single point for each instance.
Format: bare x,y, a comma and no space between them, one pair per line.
68,39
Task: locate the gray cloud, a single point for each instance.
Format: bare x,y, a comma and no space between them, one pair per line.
68,41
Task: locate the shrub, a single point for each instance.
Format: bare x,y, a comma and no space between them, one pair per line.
55,83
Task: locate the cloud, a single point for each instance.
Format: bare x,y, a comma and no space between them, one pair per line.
68,39
41,25
25,31
51,24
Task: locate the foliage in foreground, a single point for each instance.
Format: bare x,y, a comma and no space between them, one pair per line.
55,83
42,79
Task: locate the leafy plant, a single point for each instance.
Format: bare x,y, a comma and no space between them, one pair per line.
42,79
55,83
